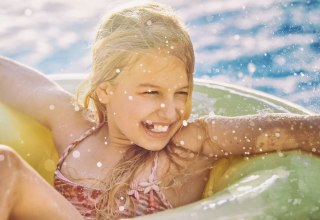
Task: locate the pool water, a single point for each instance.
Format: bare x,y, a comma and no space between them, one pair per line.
272,46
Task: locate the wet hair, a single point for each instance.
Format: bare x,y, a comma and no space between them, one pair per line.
122,34
132,30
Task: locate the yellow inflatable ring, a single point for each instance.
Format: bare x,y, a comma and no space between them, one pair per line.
30,139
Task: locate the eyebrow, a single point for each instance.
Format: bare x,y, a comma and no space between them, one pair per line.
155,86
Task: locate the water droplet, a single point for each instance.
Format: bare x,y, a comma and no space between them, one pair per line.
49,165
2,157
181,143
277,134
296,202
251,123
99,164
76,154
149,22
199,137
118,70
236,37
76,108
121,208
28,12
233,131
51,107
172,47
130,97
251,68
162,105
184,123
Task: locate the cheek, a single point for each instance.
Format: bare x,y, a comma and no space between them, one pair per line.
134,107
181,105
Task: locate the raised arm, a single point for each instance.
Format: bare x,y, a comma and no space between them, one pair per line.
34,94
244,135
30,91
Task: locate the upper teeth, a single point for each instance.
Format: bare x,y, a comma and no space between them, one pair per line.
156,127
149,122
160,128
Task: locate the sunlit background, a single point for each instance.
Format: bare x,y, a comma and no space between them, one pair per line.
268,45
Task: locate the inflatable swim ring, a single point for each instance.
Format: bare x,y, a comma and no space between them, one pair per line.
273,186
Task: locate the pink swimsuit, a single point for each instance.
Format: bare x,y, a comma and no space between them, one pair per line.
148,196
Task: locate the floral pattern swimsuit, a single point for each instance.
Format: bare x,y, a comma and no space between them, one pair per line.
148,196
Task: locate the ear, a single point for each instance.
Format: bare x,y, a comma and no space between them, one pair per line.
104,91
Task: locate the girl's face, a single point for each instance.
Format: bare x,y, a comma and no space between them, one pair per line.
147,103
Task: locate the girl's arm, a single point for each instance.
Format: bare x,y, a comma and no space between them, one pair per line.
34,94
24,195
244,135
30,91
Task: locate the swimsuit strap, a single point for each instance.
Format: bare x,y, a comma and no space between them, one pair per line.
153,173
155,165
72,146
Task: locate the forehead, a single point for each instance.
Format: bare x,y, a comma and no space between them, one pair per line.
156,68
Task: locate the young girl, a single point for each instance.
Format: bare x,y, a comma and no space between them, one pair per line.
129,150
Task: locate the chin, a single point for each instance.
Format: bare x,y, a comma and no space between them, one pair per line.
154,147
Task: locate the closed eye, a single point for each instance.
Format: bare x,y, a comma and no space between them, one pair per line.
183,93
151,92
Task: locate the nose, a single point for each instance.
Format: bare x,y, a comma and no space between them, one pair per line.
168,110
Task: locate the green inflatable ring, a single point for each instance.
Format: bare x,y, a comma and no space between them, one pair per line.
271,186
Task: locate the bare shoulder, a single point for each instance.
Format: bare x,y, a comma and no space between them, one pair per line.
67,124
191,135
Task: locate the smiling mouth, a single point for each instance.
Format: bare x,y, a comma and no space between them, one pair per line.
156,128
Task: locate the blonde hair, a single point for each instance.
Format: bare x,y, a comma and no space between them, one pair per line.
123,33
130,31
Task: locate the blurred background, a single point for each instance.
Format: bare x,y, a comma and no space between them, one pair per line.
270,45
